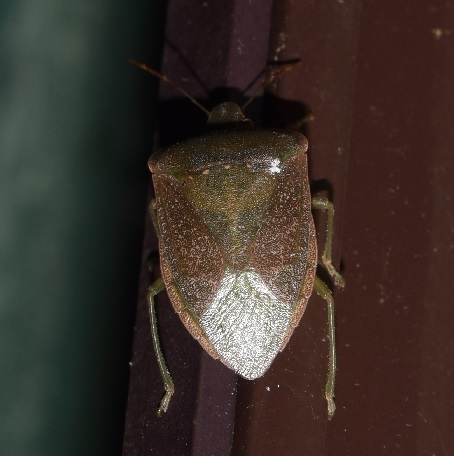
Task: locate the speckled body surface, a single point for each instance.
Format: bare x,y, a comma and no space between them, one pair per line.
237,240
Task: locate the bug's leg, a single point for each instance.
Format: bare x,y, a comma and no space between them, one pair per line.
154,216
152,259
154,289
297,125
324,204
322,289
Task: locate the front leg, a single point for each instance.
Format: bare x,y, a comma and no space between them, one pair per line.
154,216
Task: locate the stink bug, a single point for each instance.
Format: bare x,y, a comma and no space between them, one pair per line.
232,212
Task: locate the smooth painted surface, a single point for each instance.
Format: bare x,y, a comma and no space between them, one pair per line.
73,182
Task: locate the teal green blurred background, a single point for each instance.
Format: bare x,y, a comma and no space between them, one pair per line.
75,133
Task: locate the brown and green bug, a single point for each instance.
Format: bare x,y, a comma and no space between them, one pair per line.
232,212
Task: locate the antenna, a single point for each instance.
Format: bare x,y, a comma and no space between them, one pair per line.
169,81
286,67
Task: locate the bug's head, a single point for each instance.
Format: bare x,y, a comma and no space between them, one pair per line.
228,114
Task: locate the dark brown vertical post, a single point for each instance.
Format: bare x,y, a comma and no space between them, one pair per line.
378,78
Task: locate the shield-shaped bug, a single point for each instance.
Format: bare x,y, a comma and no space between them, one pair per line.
232,212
